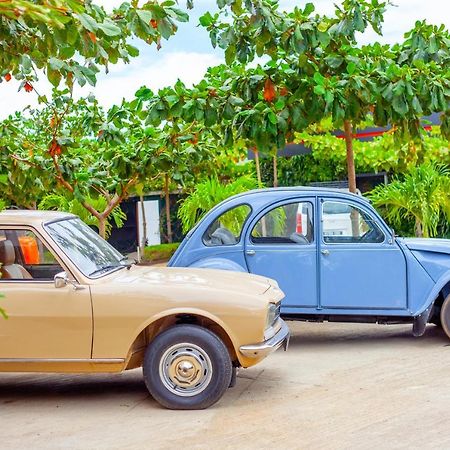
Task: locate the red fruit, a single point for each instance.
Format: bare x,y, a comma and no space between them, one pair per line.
284,91
8,77
269,91
154,23
28,86
54,149
92,37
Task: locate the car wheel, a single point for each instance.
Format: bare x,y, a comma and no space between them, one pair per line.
445,316
187,367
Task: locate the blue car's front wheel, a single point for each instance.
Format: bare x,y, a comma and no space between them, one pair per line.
445,316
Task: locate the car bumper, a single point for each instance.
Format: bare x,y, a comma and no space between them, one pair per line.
280,339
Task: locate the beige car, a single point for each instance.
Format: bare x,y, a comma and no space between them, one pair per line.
75,304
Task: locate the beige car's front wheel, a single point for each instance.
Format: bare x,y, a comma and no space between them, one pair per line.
187,367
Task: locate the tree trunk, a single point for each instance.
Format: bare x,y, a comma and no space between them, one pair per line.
275,169
419,229
350,156
167,198
144,225
258,167
102,227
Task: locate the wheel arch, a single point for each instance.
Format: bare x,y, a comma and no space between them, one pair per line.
148,331
438,294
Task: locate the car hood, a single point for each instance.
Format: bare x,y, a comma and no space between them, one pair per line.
428,245
432,254
195,278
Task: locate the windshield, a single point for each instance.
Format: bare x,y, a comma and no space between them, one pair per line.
92,255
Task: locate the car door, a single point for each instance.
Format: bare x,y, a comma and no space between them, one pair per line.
44,322
361,267
281,245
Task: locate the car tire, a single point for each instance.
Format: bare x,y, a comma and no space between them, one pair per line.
445,316
187,367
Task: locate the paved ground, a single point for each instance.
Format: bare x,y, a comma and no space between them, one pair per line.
338,386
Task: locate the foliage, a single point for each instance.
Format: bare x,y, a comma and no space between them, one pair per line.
423,195
76,149
326,162
60,202
316,70
207,195
316,58
70,40
162,252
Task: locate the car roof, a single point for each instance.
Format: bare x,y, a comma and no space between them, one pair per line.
308,190
31,217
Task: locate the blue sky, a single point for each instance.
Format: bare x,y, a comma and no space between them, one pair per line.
188,54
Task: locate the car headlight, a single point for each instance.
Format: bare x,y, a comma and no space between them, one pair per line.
273,313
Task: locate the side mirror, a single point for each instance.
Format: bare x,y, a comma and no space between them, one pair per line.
61,280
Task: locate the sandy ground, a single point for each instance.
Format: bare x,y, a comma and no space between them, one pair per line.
338,386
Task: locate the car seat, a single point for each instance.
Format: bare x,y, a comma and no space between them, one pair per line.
223,236
9,269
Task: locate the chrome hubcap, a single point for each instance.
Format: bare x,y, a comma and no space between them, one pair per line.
185,369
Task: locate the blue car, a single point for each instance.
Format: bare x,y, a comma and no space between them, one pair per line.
331,253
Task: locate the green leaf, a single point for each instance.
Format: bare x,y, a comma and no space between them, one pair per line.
230,54
351,67
236,101
319,90
319,78
54,76
55,63
399,104
133,51
272,117
87,21
309,8
206,19
334,61
109,28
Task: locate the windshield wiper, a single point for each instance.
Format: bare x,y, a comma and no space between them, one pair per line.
110,266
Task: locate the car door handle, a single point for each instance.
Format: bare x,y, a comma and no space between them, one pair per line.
325,252
250,252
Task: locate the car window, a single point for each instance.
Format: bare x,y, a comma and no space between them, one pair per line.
92,255
287,224
343,223
23,256
227,228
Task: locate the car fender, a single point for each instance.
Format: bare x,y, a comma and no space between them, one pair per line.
218,263
186,311
442,284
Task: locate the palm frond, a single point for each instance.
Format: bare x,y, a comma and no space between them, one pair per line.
210,193
423,195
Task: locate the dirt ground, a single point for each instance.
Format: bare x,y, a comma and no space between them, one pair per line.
338,386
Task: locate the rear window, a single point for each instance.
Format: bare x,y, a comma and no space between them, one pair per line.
227,228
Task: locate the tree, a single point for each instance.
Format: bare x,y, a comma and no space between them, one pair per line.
82,152
186,141
423,195
329,75
70,40
60,202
